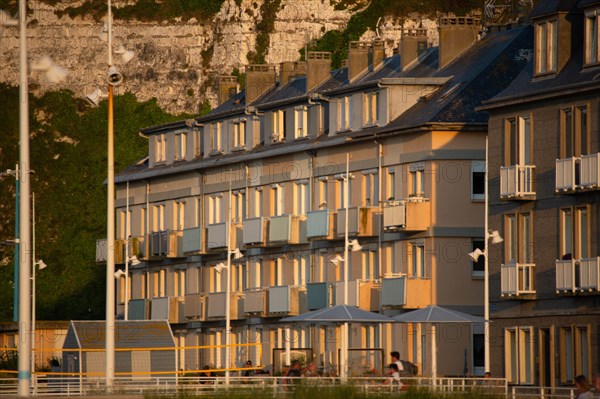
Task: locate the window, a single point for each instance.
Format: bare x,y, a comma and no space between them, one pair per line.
546,47
392,263
121,284
238,277
390,185
145,280
302,270
478,180
277,272
574,132
258,202
343,112
301,198
301,122
582,351
178,215
518,238
519,355
517,141
342,201
276,200
255,274
179,282
370,188
238,205
370,108
416,179
214,208
180,146
215,137
592,51
217,280
239,133
121,233
143,221
574,233
478,268
323,193
370,265
159,283
566,355
417,259
158,218
278,134
197,142
160,144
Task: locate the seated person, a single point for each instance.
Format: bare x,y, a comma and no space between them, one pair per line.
394,374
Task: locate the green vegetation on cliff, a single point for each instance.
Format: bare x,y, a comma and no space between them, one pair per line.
69,157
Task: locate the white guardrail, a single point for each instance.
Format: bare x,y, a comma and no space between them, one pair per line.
65,385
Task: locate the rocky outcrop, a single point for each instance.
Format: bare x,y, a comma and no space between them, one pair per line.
175,61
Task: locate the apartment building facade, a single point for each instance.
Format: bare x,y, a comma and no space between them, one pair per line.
265,173
544,199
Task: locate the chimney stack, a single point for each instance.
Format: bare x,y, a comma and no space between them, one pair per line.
456,35
228,87
358,58
259,79
319,67
377,53
412,45
291,69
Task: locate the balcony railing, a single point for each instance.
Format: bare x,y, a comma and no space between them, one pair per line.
408,215
361,293
516,182
590,171
286,229
194,307
193,240
139,309
517,279
567,174
320,225
284,300
255,302
361,221
255,231
318,295
589,269
566,276
215,307
217,236
168,308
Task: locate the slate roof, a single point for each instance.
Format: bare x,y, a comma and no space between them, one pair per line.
128,334
546,7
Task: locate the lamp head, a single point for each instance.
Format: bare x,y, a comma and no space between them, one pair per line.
237,254
113,76
119,273
476,254
220,267
354,245
495,236
337,259
134,260
40,264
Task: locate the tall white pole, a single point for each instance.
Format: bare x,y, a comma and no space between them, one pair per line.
486,272
33,334
344,348
24,374
127,234
228,294
110,229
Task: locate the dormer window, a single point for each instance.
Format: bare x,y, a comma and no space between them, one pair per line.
215,137
300,122
370,103
180,146
546,42
592,51
278,134
343,113
160,144
239,133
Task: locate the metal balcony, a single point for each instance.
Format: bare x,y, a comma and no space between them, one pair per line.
401,291
217,236
361,222
589,274
139,309
408,215
193,240
215,306
590,171
286,229
516,182
194,307
567,174
284,300
565,276
318,295
255,302
255,231
320,225
361,293
168,308
517,279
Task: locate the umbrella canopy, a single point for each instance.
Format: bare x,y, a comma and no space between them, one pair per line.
339,314
437,314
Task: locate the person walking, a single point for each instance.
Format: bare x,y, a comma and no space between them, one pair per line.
582,388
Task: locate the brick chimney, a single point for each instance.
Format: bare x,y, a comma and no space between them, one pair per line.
456,35
377,53
319,66
259,78
412,45
358,58
228,87
291,69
